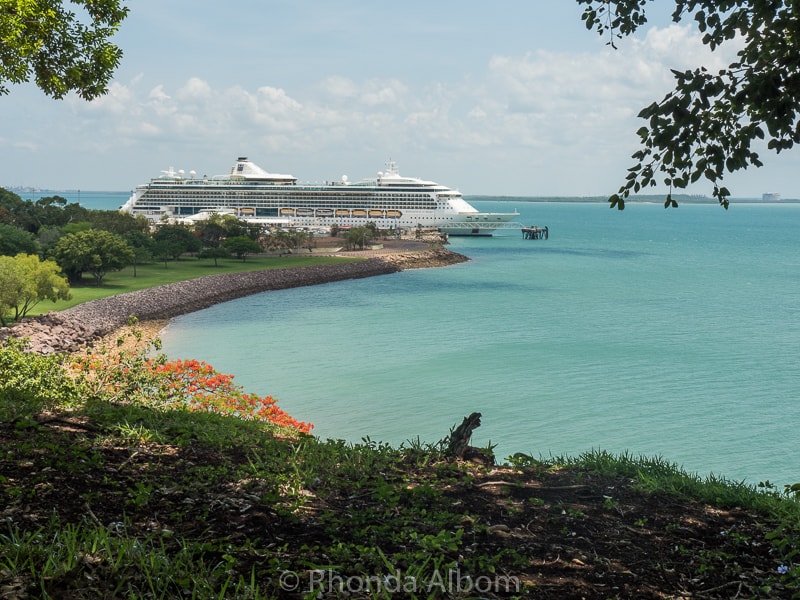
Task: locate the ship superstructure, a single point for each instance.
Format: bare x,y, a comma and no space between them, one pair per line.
249,192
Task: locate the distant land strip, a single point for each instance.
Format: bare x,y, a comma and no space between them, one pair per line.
648,199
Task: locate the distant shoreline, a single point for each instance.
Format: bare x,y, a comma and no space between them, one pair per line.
649,199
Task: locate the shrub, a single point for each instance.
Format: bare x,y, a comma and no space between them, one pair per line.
31,383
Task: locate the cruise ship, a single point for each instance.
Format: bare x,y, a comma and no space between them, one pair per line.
248,192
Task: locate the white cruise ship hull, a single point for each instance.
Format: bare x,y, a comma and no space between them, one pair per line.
252,194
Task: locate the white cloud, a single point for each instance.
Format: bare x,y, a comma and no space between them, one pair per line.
157,94
371,93
339,87
117,102
561,99
536,114
193,89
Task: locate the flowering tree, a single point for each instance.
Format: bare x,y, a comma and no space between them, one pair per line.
132,376
199,386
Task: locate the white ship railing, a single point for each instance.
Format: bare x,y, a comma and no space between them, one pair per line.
513,225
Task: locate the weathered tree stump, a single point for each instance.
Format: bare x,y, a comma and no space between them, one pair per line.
461,436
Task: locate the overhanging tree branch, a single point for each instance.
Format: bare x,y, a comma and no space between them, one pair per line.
707,126
44,42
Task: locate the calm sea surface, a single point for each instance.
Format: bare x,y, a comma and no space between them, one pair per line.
657,332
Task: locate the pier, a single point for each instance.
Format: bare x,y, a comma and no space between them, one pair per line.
534,232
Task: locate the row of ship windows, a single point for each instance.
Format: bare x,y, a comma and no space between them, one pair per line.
424,205
427,204
278,194
267,212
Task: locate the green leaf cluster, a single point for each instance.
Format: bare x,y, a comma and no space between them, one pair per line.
61,50
173,240
94,251
25,281
241,246
14,240
30,383
360,237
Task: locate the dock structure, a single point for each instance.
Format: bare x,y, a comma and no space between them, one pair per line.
534,232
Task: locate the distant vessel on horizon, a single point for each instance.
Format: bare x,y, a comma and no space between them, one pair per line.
389,200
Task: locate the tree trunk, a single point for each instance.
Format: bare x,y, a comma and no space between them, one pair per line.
460,438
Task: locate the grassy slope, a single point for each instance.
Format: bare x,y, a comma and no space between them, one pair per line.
116,501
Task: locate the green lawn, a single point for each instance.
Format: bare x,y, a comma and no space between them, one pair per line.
153,274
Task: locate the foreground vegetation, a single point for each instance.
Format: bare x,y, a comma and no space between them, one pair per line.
123,476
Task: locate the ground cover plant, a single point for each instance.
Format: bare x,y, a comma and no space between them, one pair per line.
127,475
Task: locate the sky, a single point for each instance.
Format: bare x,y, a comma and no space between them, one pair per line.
502,98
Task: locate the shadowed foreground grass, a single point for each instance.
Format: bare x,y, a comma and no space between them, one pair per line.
108,492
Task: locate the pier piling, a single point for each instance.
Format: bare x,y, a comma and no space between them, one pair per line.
534,232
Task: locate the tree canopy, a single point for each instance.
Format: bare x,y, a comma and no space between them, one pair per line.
712,124
241,246
217,228
95,251
24,282
176,240
14,240
61,51
51,211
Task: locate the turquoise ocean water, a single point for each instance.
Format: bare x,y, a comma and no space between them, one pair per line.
658,332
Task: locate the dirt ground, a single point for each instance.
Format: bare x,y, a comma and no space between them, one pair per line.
558,533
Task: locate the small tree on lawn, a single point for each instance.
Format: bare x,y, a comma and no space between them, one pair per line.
142,245
241,246
94,251
215,253
179,238
24,282
164,250
358,237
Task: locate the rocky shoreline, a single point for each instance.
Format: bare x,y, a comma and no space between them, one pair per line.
74,328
